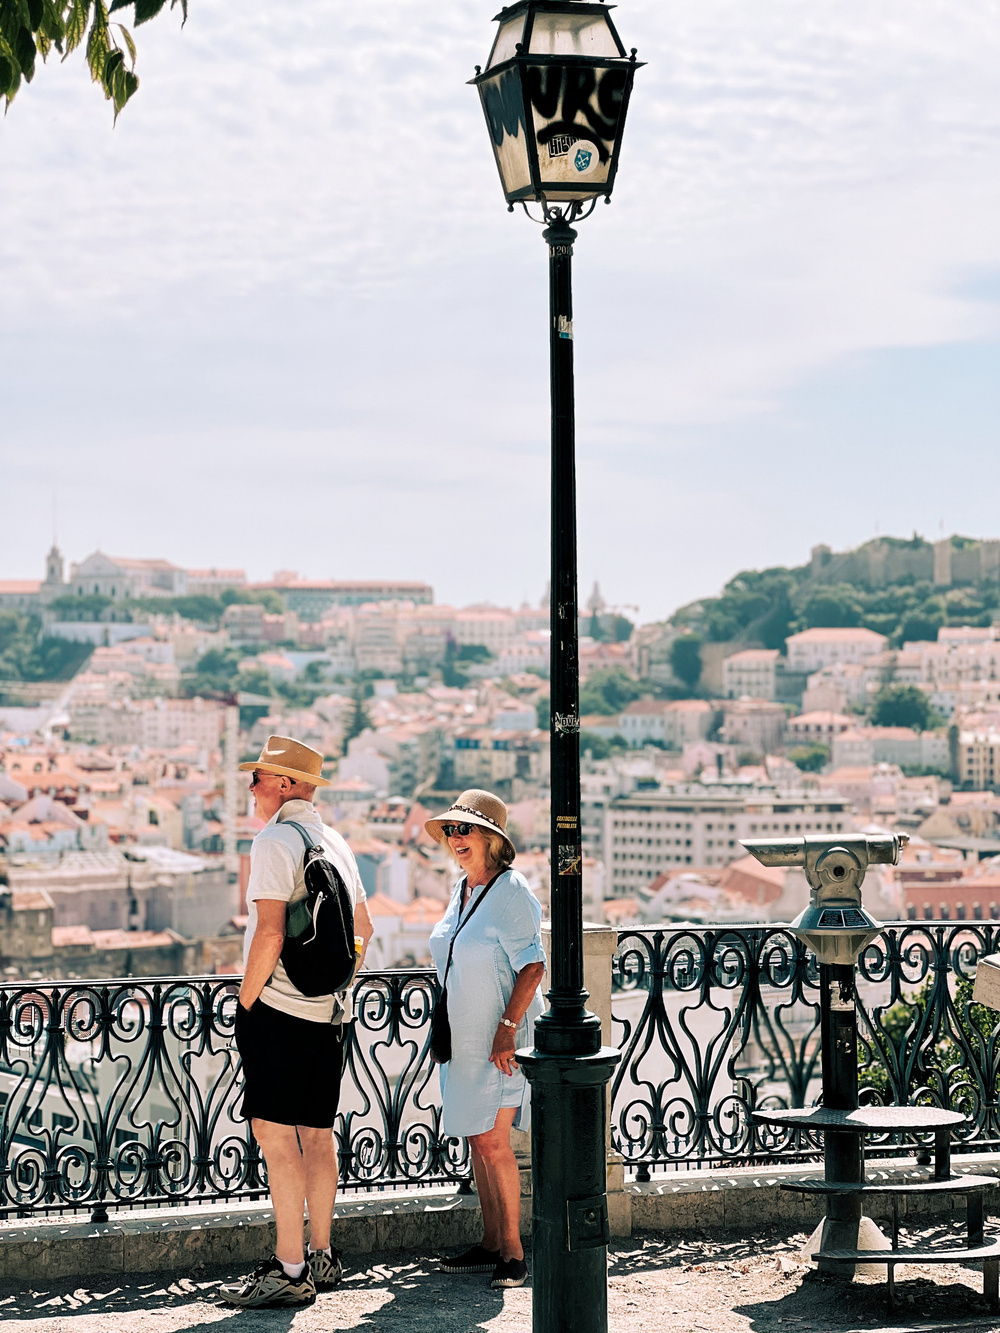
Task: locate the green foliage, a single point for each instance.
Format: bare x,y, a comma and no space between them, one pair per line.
25,657
473,652
360,721
685,659
942,1062
810,758
271,601
607,691
756,603
29,28
90,607
599,747
543,713
216,672
767,605
833,607
902,706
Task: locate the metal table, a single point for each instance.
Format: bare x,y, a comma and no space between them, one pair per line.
900,1119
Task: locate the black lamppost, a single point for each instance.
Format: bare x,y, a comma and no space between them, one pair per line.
555,91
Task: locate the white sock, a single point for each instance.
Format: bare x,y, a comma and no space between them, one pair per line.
293,1271
328,1252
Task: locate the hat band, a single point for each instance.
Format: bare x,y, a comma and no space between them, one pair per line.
471,810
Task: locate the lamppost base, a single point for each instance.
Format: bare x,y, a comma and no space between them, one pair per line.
569,1188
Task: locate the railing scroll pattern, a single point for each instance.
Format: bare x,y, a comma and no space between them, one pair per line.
127,1093
716,1022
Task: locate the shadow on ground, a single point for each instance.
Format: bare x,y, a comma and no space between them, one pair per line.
407,1291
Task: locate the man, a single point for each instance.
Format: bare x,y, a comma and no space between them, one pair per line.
291,1045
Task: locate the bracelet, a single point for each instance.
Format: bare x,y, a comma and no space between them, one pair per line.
507,1023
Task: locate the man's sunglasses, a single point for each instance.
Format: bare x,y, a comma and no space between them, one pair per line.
255,777
463,830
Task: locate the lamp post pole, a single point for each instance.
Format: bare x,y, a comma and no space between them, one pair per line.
554,92
568,1068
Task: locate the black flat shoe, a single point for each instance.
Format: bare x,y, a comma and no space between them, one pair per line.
510,1273
476,1260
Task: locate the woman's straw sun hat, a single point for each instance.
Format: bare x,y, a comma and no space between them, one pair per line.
477,807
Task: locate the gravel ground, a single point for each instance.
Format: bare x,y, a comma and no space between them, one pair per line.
701,1284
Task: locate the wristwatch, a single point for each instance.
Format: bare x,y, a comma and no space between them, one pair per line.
507,1023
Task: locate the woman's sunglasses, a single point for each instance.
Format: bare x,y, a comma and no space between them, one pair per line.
463,830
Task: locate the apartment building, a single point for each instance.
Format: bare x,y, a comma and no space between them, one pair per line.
752,672
648,833
813,649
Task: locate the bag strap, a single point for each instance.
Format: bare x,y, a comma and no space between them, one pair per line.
464,921
290,823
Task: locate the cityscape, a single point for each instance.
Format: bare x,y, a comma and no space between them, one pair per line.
132,687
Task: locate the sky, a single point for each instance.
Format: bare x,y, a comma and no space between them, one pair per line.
279,316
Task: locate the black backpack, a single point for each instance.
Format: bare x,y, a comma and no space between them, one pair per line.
318,953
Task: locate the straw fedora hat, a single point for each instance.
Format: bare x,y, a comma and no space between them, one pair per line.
289,759
477,807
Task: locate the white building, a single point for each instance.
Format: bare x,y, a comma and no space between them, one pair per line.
751,673
753,724
112,576
672,722
650,833
813,649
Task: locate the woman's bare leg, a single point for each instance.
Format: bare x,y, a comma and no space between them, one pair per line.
499,1184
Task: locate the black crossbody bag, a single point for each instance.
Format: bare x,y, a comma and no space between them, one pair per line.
440,1039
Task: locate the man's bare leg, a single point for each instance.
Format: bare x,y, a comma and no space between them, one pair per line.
319,1158
286,1178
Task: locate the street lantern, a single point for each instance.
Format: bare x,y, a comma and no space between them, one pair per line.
554,92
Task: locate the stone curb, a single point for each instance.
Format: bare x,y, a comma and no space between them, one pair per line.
752,1197
184,1238
178,1240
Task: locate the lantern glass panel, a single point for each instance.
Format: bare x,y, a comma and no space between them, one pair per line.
508,36
572,35
503,103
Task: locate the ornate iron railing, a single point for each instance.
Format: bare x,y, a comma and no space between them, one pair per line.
717,1022
124,1093
117,1094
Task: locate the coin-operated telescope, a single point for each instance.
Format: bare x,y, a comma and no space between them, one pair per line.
835,925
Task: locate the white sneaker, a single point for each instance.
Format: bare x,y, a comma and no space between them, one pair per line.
327,1270
269,1284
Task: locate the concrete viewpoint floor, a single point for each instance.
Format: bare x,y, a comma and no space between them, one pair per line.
699,1284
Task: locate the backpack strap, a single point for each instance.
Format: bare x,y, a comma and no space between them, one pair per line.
303,834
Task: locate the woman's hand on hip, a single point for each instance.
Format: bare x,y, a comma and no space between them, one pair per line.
504,1047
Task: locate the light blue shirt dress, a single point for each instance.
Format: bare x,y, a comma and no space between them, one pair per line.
503,937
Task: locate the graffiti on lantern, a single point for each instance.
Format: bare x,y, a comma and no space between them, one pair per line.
577,103
576,114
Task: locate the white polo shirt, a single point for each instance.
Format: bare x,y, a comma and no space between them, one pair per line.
277,857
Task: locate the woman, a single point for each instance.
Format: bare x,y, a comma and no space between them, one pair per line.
492,930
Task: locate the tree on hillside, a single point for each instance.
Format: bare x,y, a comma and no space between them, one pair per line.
360,721
33,28
607,691
810,758
835,607
685,659
902,706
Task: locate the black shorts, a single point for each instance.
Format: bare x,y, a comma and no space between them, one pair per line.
291,1066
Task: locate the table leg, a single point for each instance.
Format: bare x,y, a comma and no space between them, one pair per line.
974,1218
942,1154
991,1283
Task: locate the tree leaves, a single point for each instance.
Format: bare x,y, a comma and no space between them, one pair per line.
76,24
28,27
